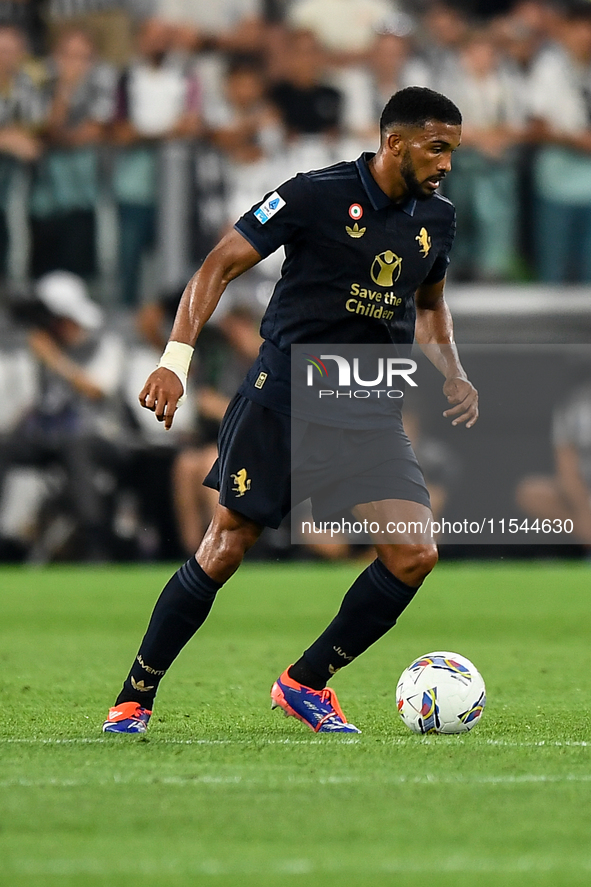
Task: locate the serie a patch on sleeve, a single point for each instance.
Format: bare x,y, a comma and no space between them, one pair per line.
268,209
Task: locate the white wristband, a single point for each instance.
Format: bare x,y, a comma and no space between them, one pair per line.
177,358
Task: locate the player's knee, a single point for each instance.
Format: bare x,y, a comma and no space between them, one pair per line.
233,543
242,538
228,538
411,563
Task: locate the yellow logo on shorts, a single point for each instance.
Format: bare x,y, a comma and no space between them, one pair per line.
242,482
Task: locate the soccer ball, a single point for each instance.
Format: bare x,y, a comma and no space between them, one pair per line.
441,693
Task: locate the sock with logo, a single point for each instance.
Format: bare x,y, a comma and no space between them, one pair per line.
369,609
180,610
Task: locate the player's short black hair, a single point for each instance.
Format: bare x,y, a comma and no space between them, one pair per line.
415,105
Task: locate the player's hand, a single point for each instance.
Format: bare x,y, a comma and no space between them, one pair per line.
464,396
161,394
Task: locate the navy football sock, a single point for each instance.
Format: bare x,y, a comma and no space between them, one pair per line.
369,609
300,671
180,610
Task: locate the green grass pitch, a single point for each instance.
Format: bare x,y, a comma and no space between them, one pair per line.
222,791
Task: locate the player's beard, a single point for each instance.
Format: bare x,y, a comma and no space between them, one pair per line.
407,171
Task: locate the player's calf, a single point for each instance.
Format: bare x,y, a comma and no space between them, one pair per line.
370,608
181,609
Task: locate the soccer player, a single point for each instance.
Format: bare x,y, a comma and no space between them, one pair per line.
371,223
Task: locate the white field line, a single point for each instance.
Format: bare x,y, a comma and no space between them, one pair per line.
401,740
541,743
460,863
34,740
283,781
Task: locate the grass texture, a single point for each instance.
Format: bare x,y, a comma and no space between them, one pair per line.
222,791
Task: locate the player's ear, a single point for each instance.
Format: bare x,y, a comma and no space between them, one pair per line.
394,142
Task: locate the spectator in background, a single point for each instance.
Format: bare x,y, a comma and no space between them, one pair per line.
521,39
28,18
246,127
344,28
76,423
78,98
108,21
484,185
20,113
566,495
540,16
308,106
444,29
520,43
157,99
561,124
226,25
391,66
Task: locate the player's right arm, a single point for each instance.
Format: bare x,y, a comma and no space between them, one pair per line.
231,257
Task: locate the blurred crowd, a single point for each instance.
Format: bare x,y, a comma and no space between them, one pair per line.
134,132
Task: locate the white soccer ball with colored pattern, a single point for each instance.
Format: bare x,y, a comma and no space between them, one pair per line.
441,693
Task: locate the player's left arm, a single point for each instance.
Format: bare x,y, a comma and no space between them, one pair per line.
434,333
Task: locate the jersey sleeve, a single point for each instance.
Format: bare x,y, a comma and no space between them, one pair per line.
439,266
279,218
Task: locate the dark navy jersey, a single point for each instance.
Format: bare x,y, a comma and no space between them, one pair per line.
353,262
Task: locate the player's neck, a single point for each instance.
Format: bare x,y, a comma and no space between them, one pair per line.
387,175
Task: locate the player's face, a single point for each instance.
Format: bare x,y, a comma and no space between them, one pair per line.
426,158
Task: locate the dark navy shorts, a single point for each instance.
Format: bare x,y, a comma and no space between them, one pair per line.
337,468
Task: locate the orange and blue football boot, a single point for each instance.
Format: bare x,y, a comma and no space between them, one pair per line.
318,709
129,717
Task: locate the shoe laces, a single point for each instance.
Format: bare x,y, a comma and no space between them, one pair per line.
329,695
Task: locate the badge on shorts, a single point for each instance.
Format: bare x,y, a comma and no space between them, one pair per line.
242,482
261,379
268,209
